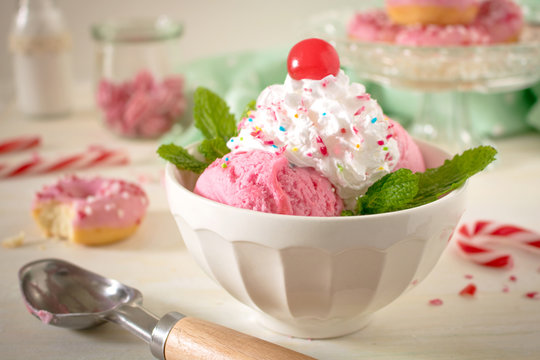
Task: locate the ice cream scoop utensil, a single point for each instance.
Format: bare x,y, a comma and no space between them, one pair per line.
63,294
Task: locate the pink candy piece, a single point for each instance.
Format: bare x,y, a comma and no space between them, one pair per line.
92,157
469,290
19,143
142,107
473,239
435,302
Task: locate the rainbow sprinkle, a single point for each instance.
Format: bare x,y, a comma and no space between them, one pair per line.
281,128
224,165
374,120
359,111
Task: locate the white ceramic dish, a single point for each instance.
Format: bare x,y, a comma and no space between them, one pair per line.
313,277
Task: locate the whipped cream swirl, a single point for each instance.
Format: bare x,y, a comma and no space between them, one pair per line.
330,124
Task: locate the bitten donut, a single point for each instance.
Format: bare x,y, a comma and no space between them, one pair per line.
92,211
373,26
435,12
501,19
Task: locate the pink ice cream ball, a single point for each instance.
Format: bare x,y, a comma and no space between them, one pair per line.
264,181
410,155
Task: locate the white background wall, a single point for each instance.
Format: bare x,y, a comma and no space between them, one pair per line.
211,26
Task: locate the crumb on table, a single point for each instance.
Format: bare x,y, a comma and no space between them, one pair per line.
13,241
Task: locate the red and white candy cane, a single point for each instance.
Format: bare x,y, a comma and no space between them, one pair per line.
19,143
474,239
92,157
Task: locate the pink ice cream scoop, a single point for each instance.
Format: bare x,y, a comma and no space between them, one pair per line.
264,181
410,156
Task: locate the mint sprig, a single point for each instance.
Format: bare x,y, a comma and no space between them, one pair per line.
212,116
403,190
389,193
181,158
436,182
213,149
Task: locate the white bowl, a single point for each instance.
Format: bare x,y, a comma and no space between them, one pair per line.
313,277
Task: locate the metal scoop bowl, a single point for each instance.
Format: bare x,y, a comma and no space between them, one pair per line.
62,294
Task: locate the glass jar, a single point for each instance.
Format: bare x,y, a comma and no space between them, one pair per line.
137,89
41,46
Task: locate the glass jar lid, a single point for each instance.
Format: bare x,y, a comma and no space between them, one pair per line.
137,30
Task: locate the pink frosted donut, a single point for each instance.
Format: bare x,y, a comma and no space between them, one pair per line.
449,35
92,211
373,26
501,19
437,12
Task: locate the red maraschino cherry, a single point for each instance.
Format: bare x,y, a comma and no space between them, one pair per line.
312,59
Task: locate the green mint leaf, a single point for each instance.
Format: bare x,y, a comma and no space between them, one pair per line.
179,156
396,191
436,182
252,105
213,149
347,213
212,115
390,193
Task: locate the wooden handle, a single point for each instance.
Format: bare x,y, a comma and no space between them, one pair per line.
196,339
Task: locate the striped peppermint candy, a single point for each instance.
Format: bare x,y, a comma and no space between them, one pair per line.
474,242
92,157
19,143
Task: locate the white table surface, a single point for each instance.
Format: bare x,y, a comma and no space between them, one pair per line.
493,325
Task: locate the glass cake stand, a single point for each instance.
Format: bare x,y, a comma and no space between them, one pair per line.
438,73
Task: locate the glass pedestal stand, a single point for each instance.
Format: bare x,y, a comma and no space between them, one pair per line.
449,73
451,129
